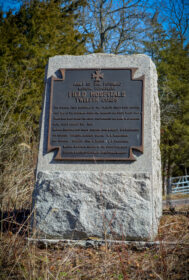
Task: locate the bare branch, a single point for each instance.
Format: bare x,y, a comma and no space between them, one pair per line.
112,22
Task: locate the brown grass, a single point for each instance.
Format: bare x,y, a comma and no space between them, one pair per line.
20,259
23,260
176,196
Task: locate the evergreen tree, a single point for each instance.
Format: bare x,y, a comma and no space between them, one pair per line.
39,29
169,51
174,95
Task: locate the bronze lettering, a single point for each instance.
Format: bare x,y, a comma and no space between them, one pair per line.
96,114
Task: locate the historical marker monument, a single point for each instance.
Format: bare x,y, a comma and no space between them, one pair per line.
99,168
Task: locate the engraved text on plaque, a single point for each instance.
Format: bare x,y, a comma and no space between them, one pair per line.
96,114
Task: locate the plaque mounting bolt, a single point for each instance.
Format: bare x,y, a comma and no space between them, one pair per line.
98,75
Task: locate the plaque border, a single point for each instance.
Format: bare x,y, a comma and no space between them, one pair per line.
51,148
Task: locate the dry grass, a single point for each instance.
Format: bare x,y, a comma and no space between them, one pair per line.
176,196
23,260
20,259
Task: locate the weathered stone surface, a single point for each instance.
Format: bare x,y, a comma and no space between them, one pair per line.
118,200
84,204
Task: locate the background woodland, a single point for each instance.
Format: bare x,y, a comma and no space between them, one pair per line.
32,31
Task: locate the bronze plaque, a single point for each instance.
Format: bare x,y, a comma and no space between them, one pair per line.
96,114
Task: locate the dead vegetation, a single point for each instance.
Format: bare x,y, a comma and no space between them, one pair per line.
21,259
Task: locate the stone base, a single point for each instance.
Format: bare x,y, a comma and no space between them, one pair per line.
80,205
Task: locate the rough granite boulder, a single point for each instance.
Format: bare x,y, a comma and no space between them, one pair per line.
118,200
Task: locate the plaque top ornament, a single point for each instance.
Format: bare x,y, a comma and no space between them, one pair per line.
98,75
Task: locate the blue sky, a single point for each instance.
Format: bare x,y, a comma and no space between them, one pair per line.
165,14
7,4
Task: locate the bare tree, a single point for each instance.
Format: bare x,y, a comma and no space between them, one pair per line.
174,15
179,18
114,26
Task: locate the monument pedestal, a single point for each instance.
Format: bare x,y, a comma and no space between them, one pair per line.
109,198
